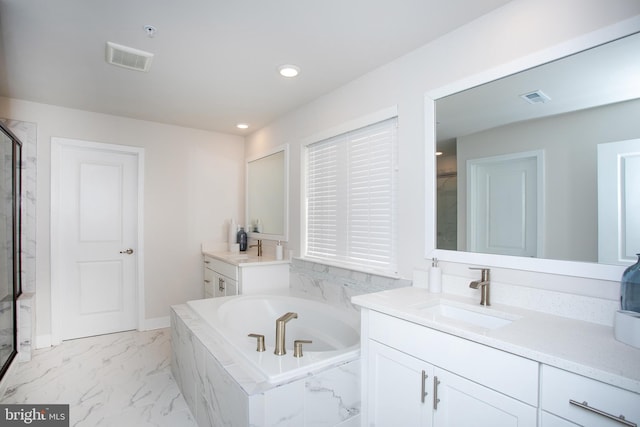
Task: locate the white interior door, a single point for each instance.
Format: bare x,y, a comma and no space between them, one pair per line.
94,238
619,202
504,200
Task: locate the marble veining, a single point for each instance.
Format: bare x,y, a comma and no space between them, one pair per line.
120,379
26,325
335,285
221,391
27,134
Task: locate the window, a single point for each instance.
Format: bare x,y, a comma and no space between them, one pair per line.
350,198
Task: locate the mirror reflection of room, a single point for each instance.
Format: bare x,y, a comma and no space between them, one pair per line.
571,119
266,194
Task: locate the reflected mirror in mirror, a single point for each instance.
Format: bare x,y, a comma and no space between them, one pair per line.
267,195
545,163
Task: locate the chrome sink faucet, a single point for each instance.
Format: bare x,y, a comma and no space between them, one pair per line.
483,284
280,330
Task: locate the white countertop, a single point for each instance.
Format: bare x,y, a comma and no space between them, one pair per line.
584,348
243,259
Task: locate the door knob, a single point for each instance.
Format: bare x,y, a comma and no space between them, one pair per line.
128,251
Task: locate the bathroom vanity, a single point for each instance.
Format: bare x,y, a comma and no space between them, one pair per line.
227,273
446,361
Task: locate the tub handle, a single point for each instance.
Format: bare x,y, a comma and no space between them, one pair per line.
260,341
297,347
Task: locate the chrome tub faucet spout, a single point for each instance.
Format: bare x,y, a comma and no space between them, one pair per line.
280,332
483,285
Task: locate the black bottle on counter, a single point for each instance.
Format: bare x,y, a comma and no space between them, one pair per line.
242,239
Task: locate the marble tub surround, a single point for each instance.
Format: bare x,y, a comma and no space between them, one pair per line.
584,348
334,333
120,379
221,391
336,285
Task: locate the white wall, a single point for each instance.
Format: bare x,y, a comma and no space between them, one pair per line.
194,182
520,28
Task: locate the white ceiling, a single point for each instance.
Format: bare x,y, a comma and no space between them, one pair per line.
215,61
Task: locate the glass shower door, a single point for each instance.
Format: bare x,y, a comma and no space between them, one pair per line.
9,245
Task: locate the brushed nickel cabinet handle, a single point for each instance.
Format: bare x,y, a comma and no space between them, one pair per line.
620,419
207,281
435,393
221,284
423,392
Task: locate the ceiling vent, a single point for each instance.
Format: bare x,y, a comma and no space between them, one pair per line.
128,57
535,97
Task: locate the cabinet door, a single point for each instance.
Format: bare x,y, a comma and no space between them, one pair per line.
219,286
464,403
396,385
231,287
209,277
224,286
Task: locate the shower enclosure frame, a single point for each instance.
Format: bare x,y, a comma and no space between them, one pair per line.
10,208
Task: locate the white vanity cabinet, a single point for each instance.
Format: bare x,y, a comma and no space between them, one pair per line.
417,376
209,279
568,399
398,391
220,278
226,277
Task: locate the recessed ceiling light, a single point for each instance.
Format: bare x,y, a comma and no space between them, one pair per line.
242,126
289,70
438,153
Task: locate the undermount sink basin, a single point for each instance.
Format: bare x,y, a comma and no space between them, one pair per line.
480,316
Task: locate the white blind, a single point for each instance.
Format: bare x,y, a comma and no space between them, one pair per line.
351,187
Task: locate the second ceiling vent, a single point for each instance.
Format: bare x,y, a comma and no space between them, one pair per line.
535,97
128,57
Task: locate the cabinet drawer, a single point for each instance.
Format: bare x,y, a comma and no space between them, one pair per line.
507,373
221,267
550,420
560,387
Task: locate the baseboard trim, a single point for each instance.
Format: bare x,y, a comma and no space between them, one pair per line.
43,341
155,323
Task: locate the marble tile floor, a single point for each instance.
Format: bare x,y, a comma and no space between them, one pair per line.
121,379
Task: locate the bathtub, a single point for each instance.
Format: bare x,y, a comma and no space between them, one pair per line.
335,333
